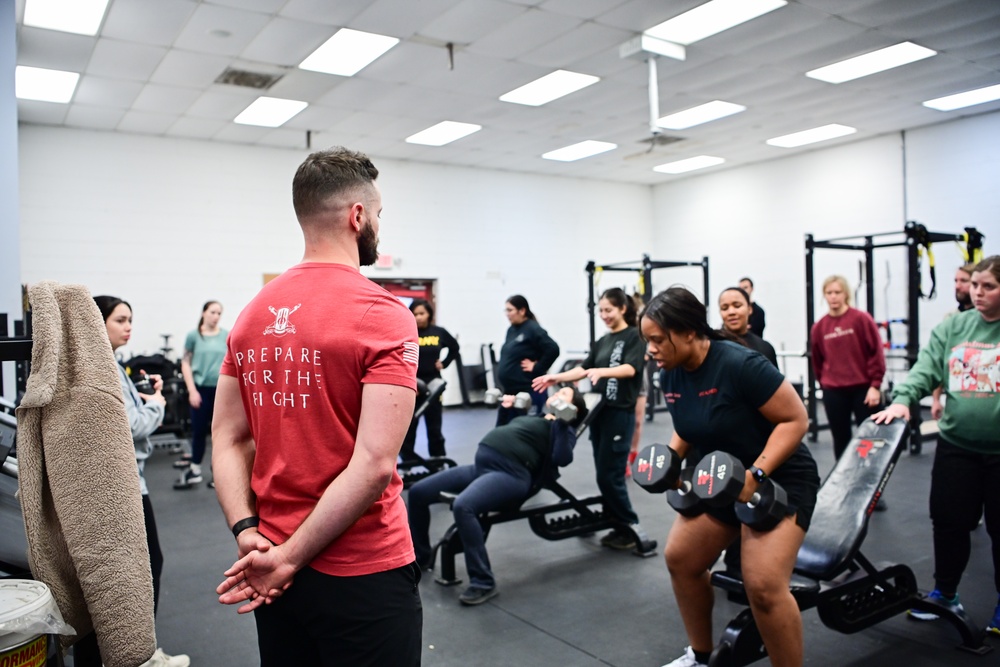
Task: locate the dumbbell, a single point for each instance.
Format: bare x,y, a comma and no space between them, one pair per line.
561,409
683,498
521,400
719,479
656,468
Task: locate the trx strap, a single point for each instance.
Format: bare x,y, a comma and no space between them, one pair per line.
972,252
922,238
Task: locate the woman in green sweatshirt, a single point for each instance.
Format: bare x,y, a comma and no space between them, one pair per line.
963,356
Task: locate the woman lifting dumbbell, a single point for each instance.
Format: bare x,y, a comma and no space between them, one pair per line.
527,352
735,309
963,356
724,397
614,366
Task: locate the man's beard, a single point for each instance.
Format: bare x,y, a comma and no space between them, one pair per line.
367,245
964,300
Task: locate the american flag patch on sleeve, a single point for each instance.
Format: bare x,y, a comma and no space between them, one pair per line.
411,352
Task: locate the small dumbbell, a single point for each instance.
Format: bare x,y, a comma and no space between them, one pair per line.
656,468
494,396
683,498
561,409
719,479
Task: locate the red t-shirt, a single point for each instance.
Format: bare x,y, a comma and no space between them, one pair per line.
301,351
847,351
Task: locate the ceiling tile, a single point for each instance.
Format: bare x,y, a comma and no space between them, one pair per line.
242,134
54,50
300,84
165,99
144,122
147,22
125,60
339,13
222,103
399,19
196,128
583,9
587,40
284,138
94,118
287,42
263,6
221,30
44,113
110,93
186,68
469,20
524,33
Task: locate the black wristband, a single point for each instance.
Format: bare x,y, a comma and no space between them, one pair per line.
243,524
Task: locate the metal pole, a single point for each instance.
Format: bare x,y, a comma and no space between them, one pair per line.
913,325
704,270
810,318
870,276
591,267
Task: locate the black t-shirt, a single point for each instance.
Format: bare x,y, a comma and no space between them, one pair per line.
615,349
523,439
757,320
758,344
432,339
717,406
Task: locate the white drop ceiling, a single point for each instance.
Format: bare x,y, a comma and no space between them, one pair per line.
151,70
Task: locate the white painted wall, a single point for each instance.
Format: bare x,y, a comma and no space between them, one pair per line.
167,224
752,220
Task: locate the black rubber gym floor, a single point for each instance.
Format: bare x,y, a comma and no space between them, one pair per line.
572,602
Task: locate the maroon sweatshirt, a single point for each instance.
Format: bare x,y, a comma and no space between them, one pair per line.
847,351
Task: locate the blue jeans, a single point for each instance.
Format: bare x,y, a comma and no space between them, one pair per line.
493,482
611,434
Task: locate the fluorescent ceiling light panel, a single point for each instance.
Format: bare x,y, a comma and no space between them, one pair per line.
711,18
700,114
549,87
348,52
269,112
82,17
580,151
443,133
690,164
811,136
44,85
967,99
870,63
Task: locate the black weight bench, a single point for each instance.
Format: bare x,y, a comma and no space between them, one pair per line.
849,592
567,517
413,470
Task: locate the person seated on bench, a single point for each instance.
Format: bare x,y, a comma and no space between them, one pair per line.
508,462
723,396
962,357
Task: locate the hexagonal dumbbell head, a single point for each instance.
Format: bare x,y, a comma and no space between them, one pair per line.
719,479
656,468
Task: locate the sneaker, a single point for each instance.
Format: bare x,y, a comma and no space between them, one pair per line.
187,479
881,505
993,627
176,449
183,462
686,660
161,659
211,484
474,596
618,541
937,596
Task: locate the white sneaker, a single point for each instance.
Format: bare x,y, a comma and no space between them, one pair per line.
686,660
161,659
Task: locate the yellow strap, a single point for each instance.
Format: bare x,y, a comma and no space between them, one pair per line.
597,275
641,287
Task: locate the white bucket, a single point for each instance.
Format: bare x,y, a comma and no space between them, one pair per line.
23,598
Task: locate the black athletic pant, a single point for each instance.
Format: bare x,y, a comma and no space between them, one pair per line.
964,484
374,620
435,439
840,403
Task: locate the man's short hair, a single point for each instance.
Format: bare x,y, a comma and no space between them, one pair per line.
326,174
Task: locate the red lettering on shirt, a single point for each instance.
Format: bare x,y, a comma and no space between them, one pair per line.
709,392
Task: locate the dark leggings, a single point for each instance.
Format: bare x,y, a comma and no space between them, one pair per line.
201,423
86,652
964,485
840,403
611,435
435,439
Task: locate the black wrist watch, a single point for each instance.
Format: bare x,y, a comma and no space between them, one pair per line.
243,524
758,474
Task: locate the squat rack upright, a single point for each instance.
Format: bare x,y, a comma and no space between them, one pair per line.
645,266
916,238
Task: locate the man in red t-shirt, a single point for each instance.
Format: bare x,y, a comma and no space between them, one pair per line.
314,399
